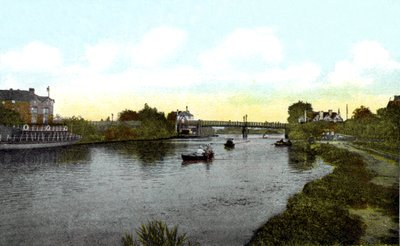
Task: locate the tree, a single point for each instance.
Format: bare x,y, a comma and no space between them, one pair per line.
127,115
296,110
362,113
172,116
9,117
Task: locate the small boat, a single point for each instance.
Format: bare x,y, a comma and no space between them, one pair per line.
229,143
282,143
203,154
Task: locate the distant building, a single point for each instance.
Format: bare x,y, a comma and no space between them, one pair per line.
182,119
394,103
32,108
321,116
184,115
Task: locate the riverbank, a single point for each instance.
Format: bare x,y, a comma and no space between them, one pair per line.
356,204
142,140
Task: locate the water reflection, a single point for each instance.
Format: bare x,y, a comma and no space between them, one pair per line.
51,156
300,159
148,152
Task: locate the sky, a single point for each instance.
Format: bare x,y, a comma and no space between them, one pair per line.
222,59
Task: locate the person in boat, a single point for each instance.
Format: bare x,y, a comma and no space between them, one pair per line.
280,141
200,151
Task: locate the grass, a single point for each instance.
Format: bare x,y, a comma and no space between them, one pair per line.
156,233
320,214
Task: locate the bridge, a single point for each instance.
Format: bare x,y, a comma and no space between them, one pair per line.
195,126
215,123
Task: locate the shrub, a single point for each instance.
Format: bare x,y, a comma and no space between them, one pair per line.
156,233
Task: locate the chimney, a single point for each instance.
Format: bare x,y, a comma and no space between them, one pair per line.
187,109
330,112
321,115
32,90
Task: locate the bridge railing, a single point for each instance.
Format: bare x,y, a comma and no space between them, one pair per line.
210,123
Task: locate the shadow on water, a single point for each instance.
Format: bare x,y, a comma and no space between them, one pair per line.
148,152
300,159
49,156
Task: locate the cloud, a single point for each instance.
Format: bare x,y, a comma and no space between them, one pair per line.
369,63
370,54
298,76
34,57
243,44
157,45
102,55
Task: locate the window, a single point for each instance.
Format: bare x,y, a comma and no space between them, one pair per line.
34,112
45,115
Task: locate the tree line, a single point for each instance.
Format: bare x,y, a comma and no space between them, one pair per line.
381,128
154,125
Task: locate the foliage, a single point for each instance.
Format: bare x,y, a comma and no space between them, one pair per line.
154,124
172,116
319,215
156,233
127,115
296,110
382,128
9,117
84,128
310,130
362,113
119,132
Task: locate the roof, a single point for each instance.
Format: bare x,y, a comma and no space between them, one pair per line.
184,113
394,103
20,95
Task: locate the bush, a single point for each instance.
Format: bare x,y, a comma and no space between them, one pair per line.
156,233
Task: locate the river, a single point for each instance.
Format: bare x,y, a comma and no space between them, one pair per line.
93,194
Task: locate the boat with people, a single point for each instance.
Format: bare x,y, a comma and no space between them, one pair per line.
203,153
229,143
282,143
35,136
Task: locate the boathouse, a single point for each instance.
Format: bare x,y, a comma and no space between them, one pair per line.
32,108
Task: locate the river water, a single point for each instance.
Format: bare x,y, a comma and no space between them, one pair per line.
92,195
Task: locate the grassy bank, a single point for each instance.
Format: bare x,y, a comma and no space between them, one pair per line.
322,213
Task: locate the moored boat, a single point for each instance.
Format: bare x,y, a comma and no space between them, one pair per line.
36,136
229,143
282,143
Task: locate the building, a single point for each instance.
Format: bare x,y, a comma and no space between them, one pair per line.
32,108
394,103
182,119
321,116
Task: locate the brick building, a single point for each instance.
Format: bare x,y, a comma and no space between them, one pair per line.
32,108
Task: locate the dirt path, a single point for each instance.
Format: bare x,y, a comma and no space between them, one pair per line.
379,224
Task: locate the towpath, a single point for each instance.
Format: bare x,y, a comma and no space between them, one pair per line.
379,223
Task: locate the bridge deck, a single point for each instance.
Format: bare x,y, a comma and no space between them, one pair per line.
209,123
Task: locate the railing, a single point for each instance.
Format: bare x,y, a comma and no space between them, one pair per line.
209,123
37,133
